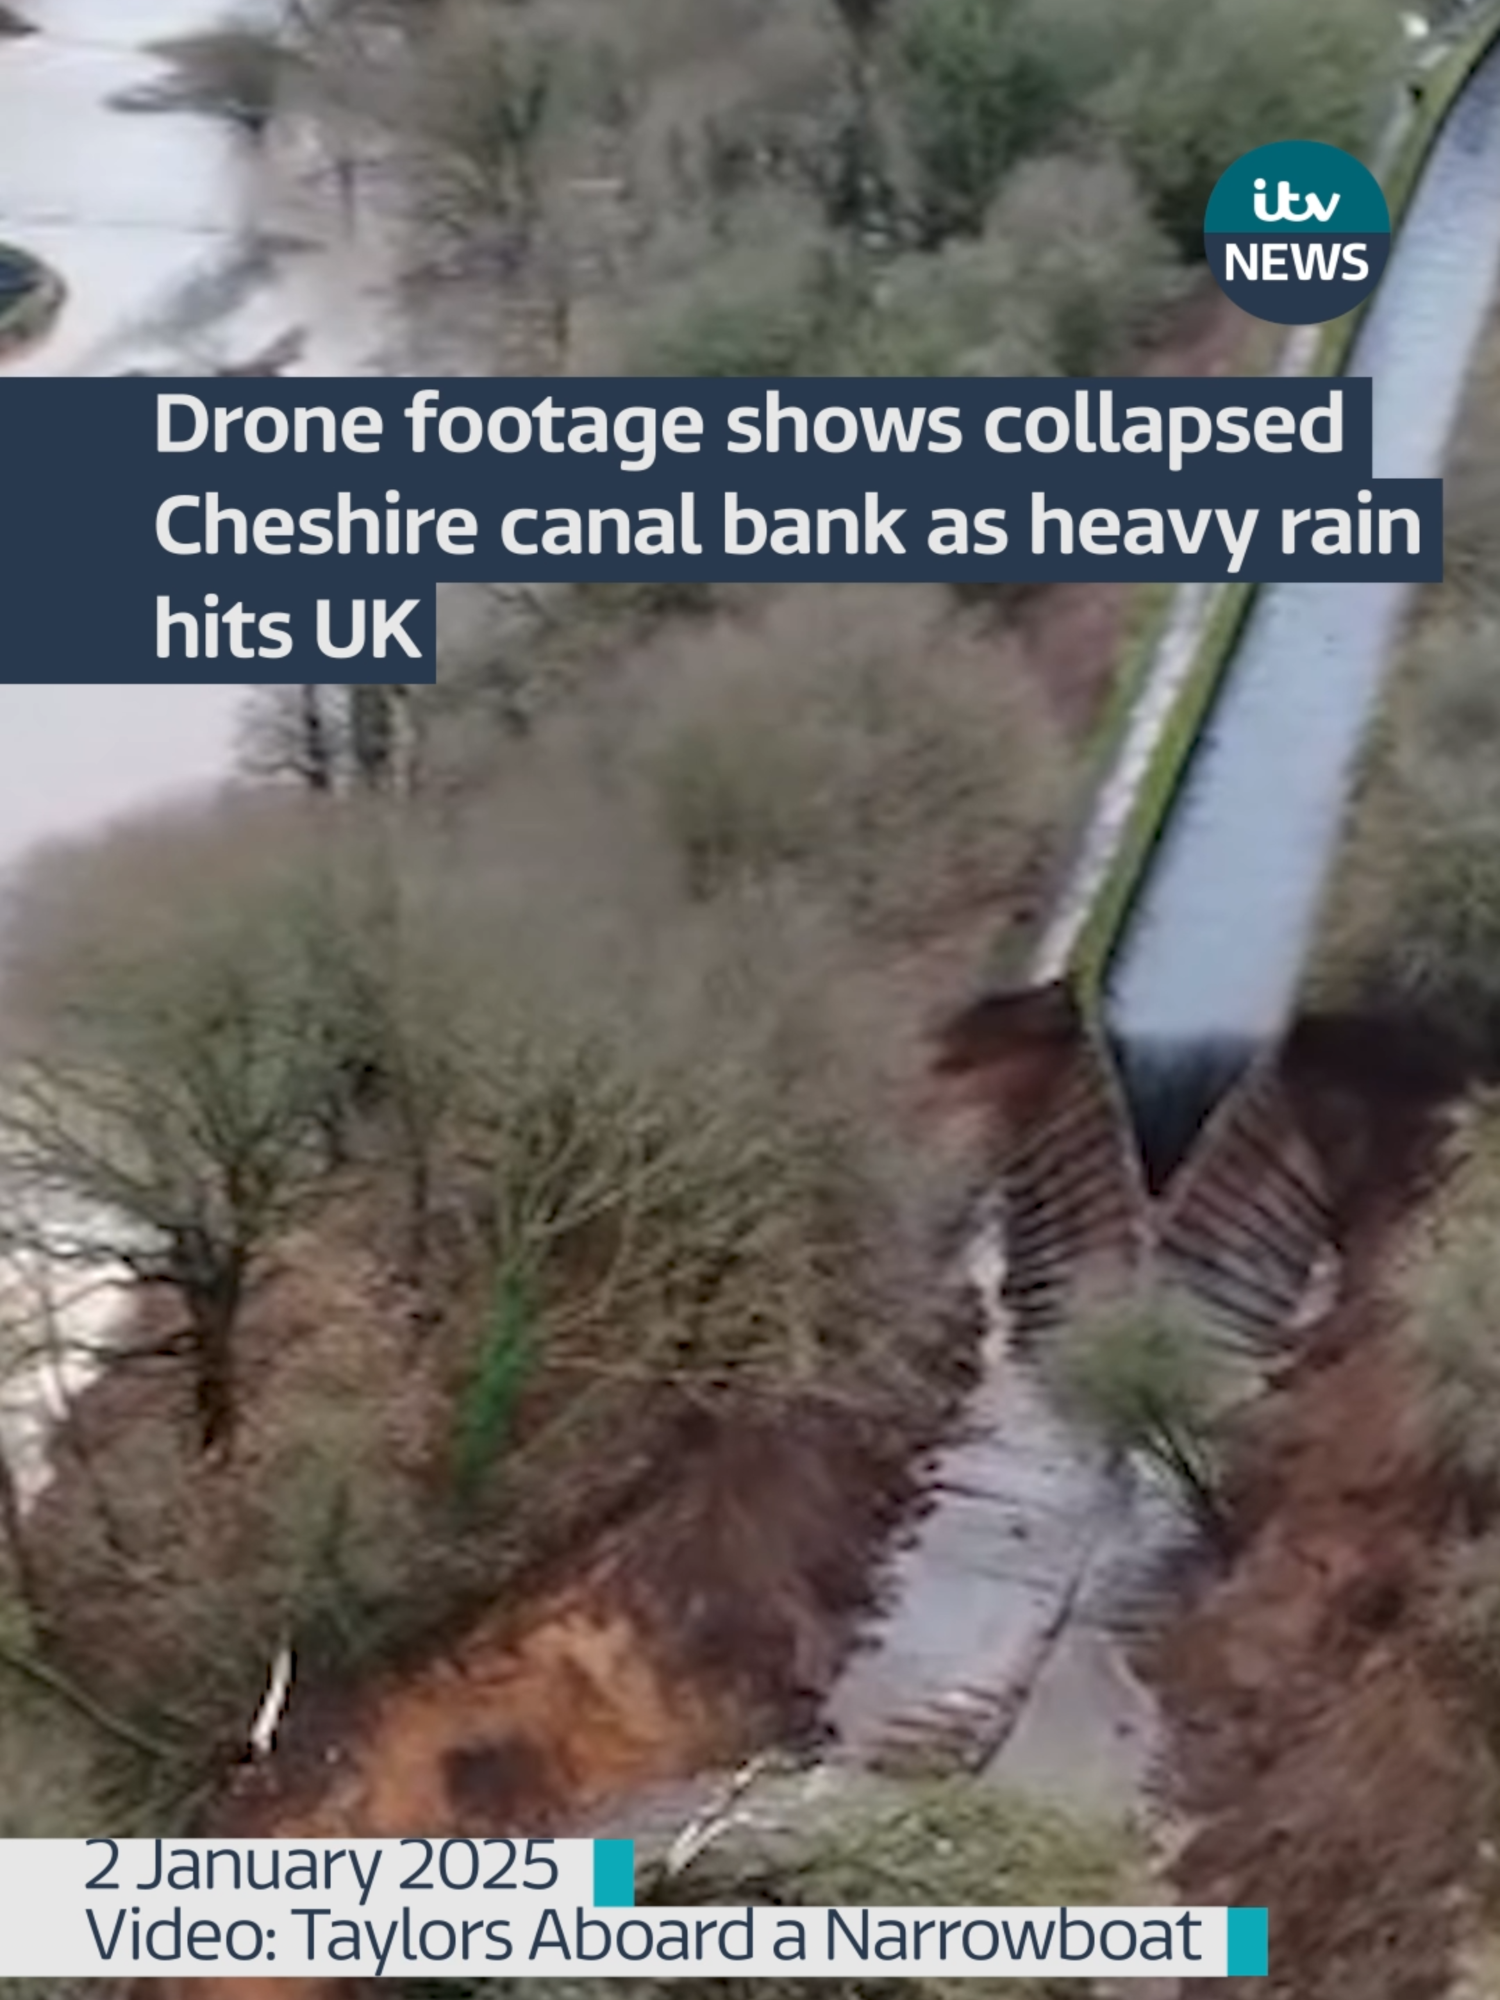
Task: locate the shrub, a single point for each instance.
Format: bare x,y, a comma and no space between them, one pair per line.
1217,77
975,98
1067,273
1416,913
1443,955
775,298
1088,268
698,1224
1145,1372
950,1843
1414,918
859,744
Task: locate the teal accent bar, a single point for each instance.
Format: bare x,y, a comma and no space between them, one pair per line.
1248,1944
614,1876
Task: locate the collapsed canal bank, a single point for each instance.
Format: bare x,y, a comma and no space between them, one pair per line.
567,1667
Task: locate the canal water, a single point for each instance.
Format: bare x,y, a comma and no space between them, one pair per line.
1209,964
1205,975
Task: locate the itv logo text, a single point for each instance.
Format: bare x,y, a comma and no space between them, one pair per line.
1297,232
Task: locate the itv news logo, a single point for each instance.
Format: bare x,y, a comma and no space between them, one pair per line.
1298,232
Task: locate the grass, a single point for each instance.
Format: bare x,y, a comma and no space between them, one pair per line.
1147,1375
864,1843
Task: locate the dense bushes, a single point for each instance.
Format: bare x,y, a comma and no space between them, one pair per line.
1215,79
976,95
1414,916
1148,1374
779,205
857,746
561,1093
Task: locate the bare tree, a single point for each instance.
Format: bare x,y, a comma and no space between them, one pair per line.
372,735
331,738
179,1107
290,732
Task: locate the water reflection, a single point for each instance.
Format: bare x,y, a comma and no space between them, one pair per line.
1214,952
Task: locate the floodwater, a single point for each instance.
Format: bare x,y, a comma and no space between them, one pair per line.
185,244
71,757
183,248
1013,1597
1209,965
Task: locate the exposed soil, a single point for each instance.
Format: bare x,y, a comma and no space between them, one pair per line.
514,1729
1332,1778
710,1621
1328,1769
1324,1761
713,1618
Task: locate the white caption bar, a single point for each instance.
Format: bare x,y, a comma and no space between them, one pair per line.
435,1907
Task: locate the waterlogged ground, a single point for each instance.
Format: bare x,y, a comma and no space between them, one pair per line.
185,244
1007,1606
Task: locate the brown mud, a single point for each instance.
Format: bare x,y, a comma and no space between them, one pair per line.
709,1622
1326,1770
1323,1764
1326,1765
714,1618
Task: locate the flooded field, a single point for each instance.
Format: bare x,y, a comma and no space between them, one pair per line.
187,241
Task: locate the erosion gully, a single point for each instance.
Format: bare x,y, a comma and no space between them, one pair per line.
188,246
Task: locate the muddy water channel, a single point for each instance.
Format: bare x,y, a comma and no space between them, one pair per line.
1004,1647
187,242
